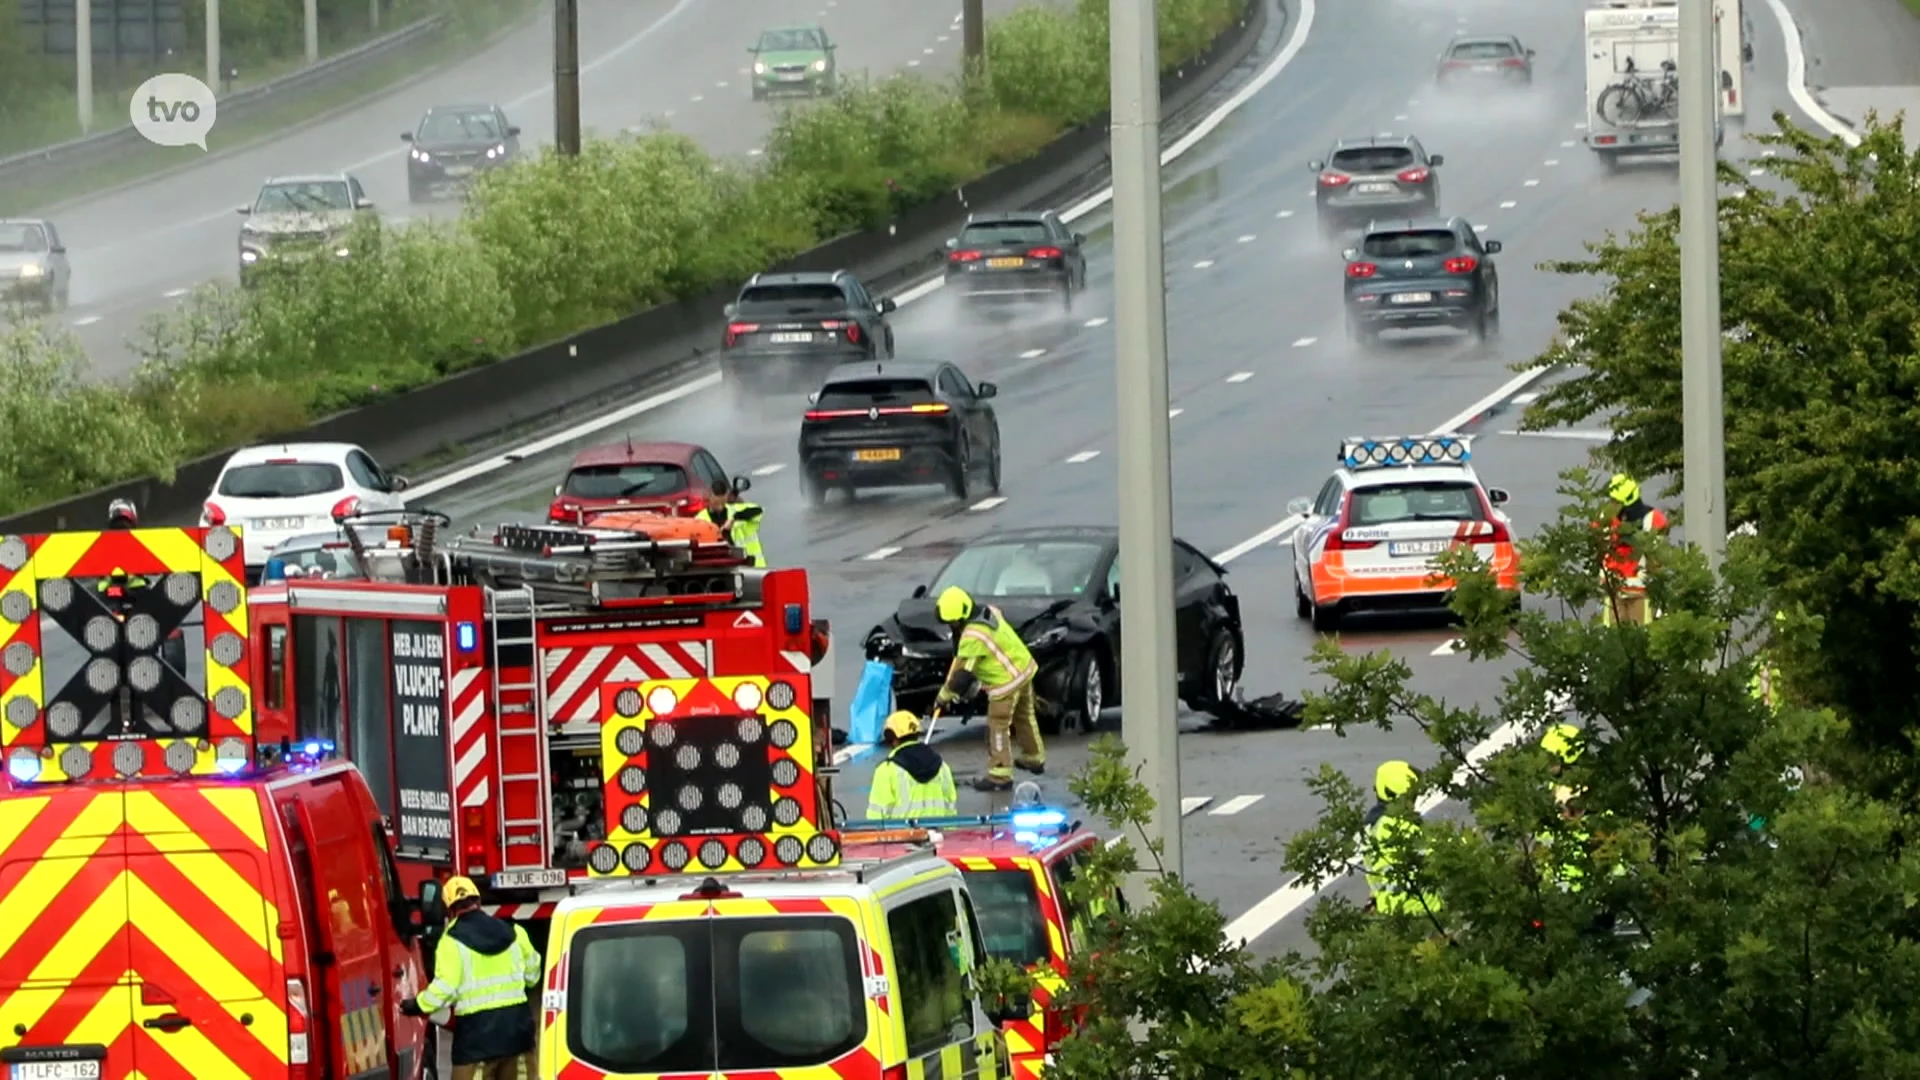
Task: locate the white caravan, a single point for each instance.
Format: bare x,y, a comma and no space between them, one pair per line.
1633,49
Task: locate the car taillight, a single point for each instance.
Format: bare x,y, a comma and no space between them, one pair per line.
1337,538
1500,534
211,515
1465,264
298,1052
963,256
1044,253
734,330
1416,175
1361,270
1335,179
1513,62
833,324
1457,64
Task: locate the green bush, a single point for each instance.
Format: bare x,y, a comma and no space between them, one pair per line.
546,249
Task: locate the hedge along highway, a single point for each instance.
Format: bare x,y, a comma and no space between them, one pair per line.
673,62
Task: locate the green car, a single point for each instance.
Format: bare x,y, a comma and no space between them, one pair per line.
795,60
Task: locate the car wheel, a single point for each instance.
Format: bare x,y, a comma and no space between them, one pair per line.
1086,691
993,468
813,490
1479,326
415,194
889,342
1325,619
1222,674
960,481
1302,606
759,94
1329,227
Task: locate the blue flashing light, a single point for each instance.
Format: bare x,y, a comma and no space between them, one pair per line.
795,622
230,766
466,637
312,752
1039,820
276,570
1398,451
24,768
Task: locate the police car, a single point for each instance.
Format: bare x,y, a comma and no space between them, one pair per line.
1395,504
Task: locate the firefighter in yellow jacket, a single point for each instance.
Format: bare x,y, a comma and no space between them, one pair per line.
989,651
1388,836
737,519
484,969
913,782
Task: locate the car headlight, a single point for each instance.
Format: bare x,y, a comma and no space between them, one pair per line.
31,270
1049,639
342,252
249,257
495,151
819,65
759,68
420,155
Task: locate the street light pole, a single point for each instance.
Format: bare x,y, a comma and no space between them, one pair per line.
213,44
83,62
1149,700
1704,425
973,35
566,77
313,32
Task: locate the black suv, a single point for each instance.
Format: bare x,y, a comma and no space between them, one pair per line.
899,424
454,144
1424,272
1363,179
1015,257
785,328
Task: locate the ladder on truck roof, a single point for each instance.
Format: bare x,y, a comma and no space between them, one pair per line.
561,564
525,796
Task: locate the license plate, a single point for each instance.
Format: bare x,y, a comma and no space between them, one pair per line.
790,339
54,1070
529,879
791,78
279,524
1373,189
876,455
1417,547
1005,264
459,170
1412,298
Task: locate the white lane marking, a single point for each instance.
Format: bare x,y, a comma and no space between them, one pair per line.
1203,264
1098,320
1304,342
174,294
881,553
1234,805
1402,116
698,98
1530,183
755,152
1248,238
1033,354
1472,412
1768,153
1797,77
1527,398
1260,539
1551,162
926,52
1385,135
1580,125
1568,142
769,470
1508,205
721,85
1083,457
940,37
86,320
1171,413
1575,436
1193,802
1756,172
1284,214
988,503
1240,376
1447,647
1480,228
913,63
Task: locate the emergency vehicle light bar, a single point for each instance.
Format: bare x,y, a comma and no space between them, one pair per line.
1402,451
1038,819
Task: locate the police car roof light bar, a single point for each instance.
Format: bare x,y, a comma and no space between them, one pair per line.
1404,451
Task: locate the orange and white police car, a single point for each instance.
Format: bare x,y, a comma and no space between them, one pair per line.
1370,538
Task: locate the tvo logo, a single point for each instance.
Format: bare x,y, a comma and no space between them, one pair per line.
174,110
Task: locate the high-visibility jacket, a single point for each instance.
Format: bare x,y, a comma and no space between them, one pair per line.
1765,685
474,973
1622,559
742,528
1384,832
991,648
911,784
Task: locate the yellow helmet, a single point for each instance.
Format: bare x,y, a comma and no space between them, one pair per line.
903,725
1393,779
954,605
1623,489
1563,741
457,889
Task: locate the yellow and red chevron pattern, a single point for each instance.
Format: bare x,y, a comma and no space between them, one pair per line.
210,561
120,906
730,749
1027,1039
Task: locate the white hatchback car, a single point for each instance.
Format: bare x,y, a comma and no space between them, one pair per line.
275,493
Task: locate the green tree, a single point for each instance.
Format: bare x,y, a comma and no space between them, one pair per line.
1691,945
1822,398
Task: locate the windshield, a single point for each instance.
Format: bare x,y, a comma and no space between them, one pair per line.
315,198
791,41
707,995
625,481
324,558
826,294
1004,234
1483,50
460,127
281,480
1008,908
1440,501
20,237
1371,159
1409,245
1033,568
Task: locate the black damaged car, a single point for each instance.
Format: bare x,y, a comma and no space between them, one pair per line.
1060,587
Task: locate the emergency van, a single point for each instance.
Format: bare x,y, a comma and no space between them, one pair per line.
464,675
178,899
1017,866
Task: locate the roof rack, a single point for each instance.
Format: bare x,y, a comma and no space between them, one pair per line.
599,565
1404,451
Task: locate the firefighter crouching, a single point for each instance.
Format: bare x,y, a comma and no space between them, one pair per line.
1625,571
737,519
484,968
989,651
1386,843
913,783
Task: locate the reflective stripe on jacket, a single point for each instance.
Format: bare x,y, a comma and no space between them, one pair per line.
991,648
1622,559
1379,859
742,532
473,982
897,796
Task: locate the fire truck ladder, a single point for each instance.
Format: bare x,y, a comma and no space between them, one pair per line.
566,566
523,740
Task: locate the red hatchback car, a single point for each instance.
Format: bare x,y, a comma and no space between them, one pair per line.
662,477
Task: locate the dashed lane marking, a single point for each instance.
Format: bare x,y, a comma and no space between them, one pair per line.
1083,457
1033,354
1234,805
1756,172
1203,264
1568,142
1527,398
1171,413
1448,647
913,63
940,37
1480,228
988,504
1193,802
1530,183
769,470
1284,214
721,85
1402,116
699,98
1580,125
882,553
1304,342
1098,320
1240,376
926,52
86,320
755,152
1250,238
1551,162
174,294
1508,205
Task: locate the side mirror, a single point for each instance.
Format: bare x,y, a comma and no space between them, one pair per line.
1008,1008
813,398
919,591
1726,80
1079,238
1349,253
363,204
243,211
1498,496
729,310
952,242
741,483
513,132
1529,52
755,49
558,490
986,390
1436,160
432,911
1493,247
886,306
1300,506
406,136
1316,166
58,249
401,483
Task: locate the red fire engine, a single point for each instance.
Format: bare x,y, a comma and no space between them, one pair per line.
464,677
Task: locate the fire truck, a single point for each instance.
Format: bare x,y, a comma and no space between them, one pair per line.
464,675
